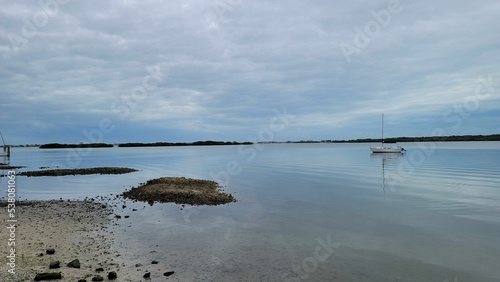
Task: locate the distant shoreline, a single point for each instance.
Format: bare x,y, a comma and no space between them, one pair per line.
451,138
197,143
73,146
156,144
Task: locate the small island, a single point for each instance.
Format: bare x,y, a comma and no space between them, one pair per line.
180,190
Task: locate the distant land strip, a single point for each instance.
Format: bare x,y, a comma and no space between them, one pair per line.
59,146
156,144
197,143
452,138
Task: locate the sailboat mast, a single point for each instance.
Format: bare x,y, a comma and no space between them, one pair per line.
382,130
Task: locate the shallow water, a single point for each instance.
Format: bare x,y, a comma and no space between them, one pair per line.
316,212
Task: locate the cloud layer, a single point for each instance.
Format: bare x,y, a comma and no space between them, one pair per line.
194,70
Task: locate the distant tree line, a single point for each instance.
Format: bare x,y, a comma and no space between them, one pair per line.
64,146
492,137
197,143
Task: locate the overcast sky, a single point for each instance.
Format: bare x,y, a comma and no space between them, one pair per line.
145,71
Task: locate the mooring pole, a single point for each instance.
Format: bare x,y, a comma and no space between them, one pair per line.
6,148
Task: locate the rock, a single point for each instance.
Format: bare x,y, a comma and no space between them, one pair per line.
97,278
50,251
138,264
112,275
47,276
147,275
118,216
55,264
168,273
127,216
154,262
74,263
99,269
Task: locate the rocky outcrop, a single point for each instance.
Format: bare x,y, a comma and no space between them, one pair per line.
180,190
78,171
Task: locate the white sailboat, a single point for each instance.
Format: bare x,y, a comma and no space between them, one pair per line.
387,148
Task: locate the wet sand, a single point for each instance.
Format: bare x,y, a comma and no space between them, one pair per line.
74,229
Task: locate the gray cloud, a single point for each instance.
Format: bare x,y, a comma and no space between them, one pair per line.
225,71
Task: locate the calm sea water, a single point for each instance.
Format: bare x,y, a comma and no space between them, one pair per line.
305,212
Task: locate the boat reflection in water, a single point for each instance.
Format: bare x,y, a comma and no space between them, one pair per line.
388,159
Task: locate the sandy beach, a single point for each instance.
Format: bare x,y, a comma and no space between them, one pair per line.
74,229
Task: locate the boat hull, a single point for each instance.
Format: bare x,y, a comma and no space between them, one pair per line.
397,150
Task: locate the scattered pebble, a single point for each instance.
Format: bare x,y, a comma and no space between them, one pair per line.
168,273
112,275
55,264
97,278
74,263
47,276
